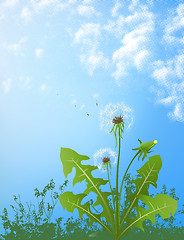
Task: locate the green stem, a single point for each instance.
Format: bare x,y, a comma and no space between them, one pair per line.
111,188
117,177
124,178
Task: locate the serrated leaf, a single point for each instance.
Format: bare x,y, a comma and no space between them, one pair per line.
67,155
148,175
162,204
71,159
70,201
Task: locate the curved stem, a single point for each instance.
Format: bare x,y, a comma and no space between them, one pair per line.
124,178
111,188
117,175
115,134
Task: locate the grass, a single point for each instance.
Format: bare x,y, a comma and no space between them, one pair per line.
33,221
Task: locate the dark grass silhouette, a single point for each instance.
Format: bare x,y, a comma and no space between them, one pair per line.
34,221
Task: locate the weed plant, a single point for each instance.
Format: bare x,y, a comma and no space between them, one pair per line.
33,221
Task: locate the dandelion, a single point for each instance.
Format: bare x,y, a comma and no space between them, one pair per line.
116,117
104,157
114,114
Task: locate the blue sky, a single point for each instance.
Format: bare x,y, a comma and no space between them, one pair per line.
57,54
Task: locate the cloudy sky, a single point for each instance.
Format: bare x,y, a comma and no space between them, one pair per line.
61,62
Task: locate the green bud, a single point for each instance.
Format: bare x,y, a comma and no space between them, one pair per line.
148,145
145,148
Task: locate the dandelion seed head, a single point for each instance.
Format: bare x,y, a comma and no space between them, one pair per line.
114,114
104,155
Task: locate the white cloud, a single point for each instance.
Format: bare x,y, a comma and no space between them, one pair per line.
115,9
140,58
53,5
169,75
116,28
150,2
17,48
88,33
89,36
133,5
167,100
26,14
7,84
134,31
87,1
173,25
86,11
178,113
94,59
161,74
133,50
166,71
10,3
122,24
136,36
170,82
38,52
71,1
39,5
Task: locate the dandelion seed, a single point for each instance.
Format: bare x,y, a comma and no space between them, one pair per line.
96,98
57,92
83,108
74,102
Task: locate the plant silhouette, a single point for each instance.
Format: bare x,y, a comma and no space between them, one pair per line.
27,225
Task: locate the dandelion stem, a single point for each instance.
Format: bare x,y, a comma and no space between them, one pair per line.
125,176
111,188
117,175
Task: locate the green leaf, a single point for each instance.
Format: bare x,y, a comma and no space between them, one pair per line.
148,174
71,159
67,155
70,201
162,204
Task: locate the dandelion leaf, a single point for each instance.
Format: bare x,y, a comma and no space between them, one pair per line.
162,204
71,159
70,201
148,174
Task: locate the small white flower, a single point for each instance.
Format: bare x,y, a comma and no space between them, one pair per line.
103,157
113,114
